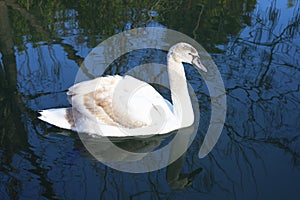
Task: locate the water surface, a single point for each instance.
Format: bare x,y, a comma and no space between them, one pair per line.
255,45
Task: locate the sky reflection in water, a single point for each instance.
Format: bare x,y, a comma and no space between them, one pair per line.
256,48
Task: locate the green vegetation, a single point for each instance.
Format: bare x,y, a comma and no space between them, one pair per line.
209,21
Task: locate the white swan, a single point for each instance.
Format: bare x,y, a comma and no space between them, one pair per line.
124,106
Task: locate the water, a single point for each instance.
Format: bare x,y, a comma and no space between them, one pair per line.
255,45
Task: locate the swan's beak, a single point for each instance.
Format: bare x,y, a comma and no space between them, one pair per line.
197,63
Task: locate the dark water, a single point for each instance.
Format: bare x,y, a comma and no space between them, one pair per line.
255,45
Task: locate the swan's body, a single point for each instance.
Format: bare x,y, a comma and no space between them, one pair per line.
125,106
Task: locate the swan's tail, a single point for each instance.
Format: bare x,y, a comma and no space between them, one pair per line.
60,117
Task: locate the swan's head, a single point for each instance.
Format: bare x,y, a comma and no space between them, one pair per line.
186,53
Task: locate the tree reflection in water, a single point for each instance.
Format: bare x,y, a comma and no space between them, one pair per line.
255,46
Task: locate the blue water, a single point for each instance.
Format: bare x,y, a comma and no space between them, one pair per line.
255,45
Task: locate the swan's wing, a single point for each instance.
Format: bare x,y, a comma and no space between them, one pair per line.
86,97
135,100
119,101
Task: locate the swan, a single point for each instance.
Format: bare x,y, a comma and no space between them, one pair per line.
121,106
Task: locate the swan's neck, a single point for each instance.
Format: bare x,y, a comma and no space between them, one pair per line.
182,106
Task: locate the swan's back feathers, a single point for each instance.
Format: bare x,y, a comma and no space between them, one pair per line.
94,99
102,105
103,83
84,98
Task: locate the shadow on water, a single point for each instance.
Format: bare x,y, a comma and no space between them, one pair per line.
256,48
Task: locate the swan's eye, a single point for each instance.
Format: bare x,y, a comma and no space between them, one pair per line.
193,56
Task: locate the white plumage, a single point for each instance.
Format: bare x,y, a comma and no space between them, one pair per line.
125,106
